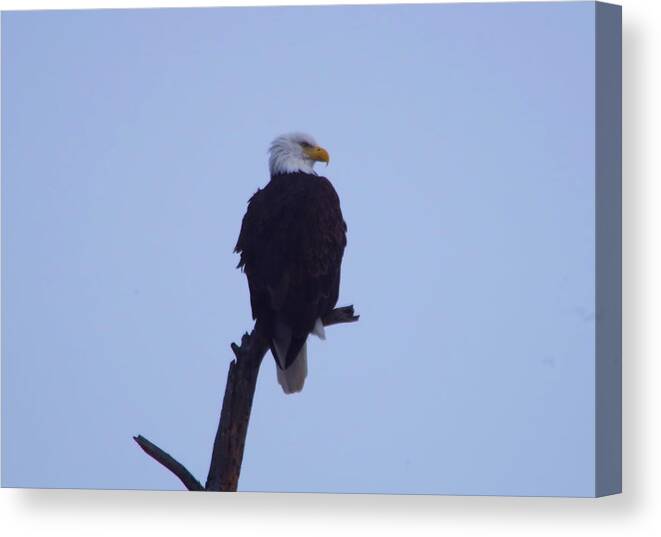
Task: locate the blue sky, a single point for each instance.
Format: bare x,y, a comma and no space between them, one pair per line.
462,143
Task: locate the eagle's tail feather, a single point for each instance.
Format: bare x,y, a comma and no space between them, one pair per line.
318,329
293,378
283,345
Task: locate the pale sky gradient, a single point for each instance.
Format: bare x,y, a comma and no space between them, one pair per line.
462,144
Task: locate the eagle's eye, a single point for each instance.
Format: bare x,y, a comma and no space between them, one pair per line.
306,145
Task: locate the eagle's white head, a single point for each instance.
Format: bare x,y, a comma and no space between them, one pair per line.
295,152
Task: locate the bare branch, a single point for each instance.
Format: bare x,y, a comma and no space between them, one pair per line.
229,444
169,462
340,315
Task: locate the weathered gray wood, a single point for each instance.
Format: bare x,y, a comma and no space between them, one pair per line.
169,462
230,441
228,447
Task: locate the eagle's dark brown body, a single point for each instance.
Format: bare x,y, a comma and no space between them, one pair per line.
291,243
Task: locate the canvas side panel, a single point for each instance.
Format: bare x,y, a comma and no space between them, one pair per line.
608,79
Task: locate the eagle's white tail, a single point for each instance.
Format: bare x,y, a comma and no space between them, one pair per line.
293,378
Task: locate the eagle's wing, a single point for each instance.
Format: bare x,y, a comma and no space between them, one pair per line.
291,243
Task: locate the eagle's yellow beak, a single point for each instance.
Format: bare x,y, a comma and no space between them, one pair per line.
317,153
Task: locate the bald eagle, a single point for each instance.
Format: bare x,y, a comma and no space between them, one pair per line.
291,245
